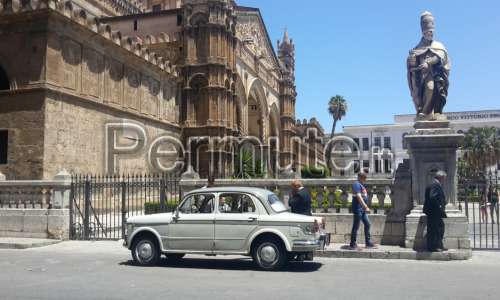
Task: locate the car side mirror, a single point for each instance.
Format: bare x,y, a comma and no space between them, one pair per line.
175,216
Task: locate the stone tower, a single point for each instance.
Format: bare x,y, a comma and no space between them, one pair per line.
286,57
208,111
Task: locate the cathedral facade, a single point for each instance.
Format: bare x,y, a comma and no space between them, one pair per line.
146,89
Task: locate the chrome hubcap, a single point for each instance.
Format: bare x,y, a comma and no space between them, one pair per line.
268,254
145,251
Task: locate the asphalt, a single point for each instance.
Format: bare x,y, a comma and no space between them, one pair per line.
332,250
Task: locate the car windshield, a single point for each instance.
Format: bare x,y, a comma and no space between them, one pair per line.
275,203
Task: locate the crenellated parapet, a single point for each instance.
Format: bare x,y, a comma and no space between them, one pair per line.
313,123
80,16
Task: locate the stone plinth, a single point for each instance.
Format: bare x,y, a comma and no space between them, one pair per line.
432,147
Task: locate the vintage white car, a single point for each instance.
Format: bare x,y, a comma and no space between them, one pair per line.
226,221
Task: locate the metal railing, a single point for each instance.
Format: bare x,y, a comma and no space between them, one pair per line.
100,204
484,229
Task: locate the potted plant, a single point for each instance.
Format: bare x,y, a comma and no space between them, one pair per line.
338,201
349,199
349,206
326,203
314,201
375,201
387,207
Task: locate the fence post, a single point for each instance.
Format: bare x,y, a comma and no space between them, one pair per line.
123,210
86,224
162,194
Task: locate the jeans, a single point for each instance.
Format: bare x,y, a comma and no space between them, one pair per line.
358,217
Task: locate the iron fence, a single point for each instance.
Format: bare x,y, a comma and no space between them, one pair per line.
484,228
100,204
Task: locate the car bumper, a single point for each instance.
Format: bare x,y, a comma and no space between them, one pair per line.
305,246
324,240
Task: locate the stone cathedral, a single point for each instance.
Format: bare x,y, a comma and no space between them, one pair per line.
120,86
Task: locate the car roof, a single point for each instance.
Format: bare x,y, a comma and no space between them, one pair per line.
237,189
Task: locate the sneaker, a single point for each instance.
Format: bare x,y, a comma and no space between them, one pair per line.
355,247
372,246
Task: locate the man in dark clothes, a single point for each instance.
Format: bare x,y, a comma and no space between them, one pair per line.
434,208
300,199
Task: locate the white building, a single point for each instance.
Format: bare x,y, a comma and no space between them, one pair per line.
381,147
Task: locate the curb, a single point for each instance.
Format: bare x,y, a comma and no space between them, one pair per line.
401,253
25,243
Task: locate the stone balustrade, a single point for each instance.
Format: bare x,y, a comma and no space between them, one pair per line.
35,208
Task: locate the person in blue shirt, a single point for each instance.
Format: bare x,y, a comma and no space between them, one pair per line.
360,212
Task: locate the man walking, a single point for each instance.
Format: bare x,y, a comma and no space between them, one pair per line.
360,212
300,199
434,208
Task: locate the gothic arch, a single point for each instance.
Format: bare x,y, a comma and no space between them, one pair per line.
274,142
198,80
197,100
93,68
4,80
256,91
240,104
198,19
274,117
71,55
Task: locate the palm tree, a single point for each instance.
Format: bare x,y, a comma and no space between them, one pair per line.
337,107
482,147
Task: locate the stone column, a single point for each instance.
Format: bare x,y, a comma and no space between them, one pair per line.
62,194
432,147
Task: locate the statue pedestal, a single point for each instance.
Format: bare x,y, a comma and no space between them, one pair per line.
432,147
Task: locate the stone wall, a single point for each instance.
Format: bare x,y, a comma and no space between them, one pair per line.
82,139
70,76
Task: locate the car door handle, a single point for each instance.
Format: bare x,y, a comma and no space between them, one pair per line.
251,219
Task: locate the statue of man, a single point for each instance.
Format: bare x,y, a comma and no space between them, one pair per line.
428,70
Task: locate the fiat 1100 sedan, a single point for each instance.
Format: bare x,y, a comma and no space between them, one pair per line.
226,221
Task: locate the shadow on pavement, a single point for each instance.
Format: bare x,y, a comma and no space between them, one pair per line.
233,264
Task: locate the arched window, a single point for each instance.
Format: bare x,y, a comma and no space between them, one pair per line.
4,80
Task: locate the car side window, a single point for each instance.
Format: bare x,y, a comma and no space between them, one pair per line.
239,203
196,204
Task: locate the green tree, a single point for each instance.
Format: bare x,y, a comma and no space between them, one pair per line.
337,107
482,147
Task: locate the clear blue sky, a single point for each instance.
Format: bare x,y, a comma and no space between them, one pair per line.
358,49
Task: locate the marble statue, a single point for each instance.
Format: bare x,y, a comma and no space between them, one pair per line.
428,69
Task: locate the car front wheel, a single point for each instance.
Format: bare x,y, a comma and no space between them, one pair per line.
146,252
269,255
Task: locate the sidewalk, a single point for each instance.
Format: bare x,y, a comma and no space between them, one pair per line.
333,250
392,252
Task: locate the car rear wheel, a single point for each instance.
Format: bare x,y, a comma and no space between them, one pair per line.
269,255
146,252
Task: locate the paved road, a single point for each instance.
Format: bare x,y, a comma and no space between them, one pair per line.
104,270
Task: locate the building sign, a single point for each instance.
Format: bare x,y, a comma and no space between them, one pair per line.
456,116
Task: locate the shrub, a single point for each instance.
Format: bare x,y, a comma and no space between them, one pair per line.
314,201
312,172
154,207
326,203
